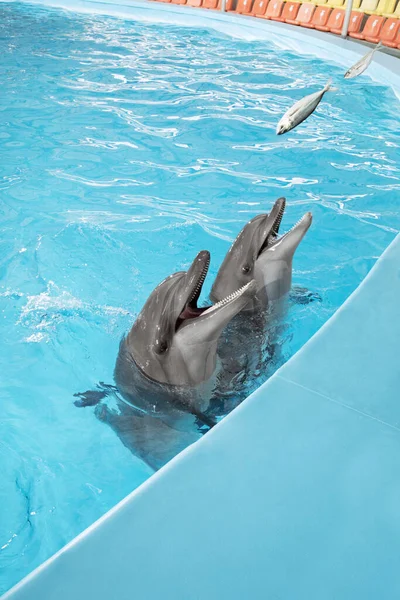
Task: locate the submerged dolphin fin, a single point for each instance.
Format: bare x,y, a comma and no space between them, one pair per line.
93,397
300,295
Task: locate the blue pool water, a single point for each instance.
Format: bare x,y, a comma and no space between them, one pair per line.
125,149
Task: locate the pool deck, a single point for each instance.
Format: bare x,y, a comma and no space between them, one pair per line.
295,495
385,67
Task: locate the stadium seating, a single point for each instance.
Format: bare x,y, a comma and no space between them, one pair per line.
371,28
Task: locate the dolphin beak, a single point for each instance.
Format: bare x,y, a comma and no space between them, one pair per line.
196,275
271,224
209,325
289,242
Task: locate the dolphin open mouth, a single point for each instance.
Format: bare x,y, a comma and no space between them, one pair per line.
274,220
303,224
281,205
190,309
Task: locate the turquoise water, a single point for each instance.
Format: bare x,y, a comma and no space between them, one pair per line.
125,149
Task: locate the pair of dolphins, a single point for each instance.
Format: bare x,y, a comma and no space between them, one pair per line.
174,361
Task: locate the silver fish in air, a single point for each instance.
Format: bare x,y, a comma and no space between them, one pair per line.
301,110
361,64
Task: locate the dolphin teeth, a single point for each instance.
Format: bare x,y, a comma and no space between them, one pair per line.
294,226
279,218
200,282
228,299
298,223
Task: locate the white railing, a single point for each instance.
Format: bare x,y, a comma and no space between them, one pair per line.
345,28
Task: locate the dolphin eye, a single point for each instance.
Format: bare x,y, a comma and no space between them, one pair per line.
163,346
246,269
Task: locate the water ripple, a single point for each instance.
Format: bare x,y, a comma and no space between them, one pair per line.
96,183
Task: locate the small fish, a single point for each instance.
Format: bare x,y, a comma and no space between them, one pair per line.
301,110
362,64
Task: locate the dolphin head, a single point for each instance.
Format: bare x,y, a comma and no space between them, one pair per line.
259,254
173,340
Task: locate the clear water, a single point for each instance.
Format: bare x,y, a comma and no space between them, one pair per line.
125,149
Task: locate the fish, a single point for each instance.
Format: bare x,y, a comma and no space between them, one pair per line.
301,110
361,65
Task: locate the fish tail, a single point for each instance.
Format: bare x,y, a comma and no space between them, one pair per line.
328,87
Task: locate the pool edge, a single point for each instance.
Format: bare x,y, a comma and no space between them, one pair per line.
385,68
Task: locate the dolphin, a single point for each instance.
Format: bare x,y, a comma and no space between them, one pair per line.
250,346
173,342
260,254
166,368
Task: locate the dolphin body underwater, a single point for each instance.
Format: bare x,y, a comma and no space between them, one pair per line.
166,368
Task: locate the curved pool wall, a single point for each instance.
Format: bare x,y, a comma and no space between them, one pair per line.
385,68
293,495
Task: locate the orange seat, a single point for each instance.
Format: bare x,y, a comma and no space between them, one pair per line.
304,16
259,8
320,17
274,9
243,7
178,1
390,34
210,4
335,21
290,10
228,5
371,29
195,3
355,24
374,39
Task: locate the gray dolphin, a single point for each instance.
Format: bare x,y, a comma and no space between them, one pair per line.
166,369
258,253
173,342
251,345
